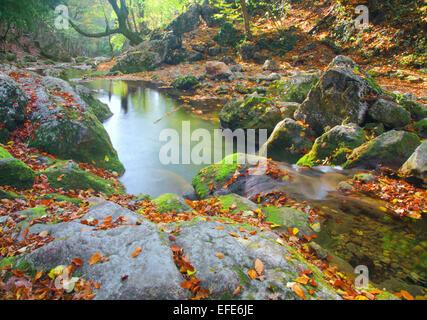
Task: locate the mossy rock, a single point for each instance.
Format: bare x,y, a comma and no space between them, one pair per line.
333,146
101,110
254,112
390,114
421,128
287,217
228,35
297,88
185,83
10,195
218,174
76,179
418,110
390,149
169,202
365,177
288,142
237,202
14,172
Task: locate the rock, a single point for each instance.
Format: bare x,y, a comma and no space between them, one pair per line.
202,242
151,275
12,103
237,68
73,178
169,202
418,110
344,186
247,51
185,82
238,203
228,35
66,131
14,172
421,128
215,51
337,97
389,114
50,46
271,65
390,149
217,70
365,177
416,165
288,108
254,112
194,56
334,145
187,21
147,56
297,87
208,13
288,142
228,60
289,218
101,110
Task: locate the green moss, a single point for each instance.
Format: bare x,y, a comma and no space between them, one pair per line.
60,197
169,202
421,128
215,173
14,172
297,92
185,82
74,178
9,195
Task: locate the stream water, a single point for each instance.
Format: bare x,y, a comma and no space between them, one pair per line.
354,230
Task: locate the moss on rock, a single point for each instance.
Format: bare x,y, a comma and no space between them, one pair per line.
169,202
185,82
14,172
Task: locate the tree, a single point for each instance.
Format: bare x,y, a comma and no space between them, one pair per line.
121,11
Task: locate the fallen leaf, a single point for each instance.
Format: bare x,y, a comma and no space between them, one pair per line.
259,267
77,262
95,258
237,291
136,252
219,255
252,274
298,290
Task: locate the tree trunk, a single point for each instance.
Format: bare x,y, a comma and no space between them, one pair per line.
246,18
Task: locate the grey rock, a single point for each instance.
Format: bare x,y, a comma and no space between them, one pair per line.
416,165
12,102
389,114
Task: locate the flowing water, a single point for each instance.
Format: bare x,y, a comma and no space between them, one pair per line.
354,230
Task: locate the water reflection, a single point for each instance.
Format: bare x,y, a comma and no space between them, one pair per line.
140,114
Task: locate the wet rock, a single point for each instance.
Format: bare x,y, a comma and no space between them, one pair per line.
390,149
337,97
334,145
151,275
217,70
289,218
14,172
101,110
416,165
365,177
288,142
389,114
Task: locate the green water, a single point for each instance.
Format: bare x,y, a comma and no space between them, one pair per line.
140,115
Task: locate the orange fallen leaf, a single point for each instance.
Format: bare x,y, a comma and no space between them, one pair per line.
95,258
298,290
219,255
237,291
219,228
252,274
136,252
406,295
233,234
77,261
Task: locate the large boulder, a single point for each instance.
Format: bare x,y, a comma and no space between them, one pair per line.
296,88
288,142
389,114
147,56
416,165
333,146
421,128
50,46
217,70
254,112
150,275
66,126
418,110
14,172
391,149
203,240
187,21
337,97
101,110
12,104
